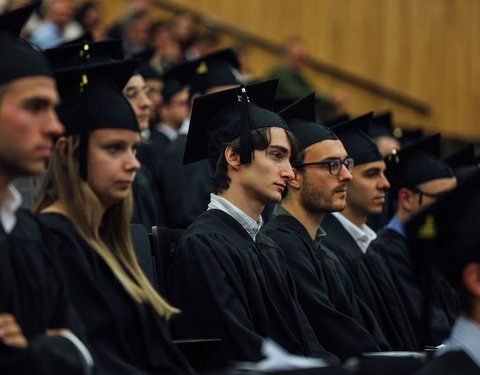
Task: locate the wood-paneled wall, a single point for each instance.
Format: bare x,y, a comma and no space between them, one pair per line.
425,49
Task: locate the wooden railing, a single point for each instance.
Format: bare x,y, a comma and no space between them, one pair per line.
249,38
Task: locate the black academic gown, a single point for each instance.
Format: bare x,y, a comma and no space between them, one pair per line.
451,363
147,208
393,249
126,337
241,291
185,189
328,301
373,284
32,290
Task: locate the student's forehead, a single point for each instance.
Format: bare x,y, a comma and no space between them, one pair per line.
326,149
278,137
373,165
33,86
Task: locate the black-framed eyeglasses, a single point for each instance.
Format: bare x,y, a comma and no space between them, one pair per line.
334,165
435,196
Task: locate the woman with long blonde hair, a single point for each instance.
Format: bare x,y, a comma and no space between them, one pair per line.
86,202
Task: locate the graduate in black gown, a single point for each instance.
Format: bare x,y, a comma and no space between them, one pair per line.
147,207
85,200
186,188
445,237
418,176
348,236
229,280
341,322
37,322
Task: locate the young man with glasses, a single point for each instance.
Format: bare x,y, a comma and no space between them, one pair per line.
348,236
419,177
343,324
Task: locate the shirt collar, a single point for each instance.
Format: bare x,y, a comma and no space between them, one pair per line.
167,131
465,337
249,224
8,207
362,236
396,225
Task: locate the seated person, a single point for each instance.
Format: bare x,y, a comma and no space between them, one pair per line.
86,201
37,322
325,291
229,280
445,237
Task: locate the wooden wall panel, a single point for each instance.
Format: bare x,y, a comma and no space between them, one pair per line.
426,49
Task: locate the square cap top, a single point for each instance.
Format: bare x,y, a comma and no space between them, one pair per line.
213,70
417,163
221,117
446,233
300,118
353,134
19,59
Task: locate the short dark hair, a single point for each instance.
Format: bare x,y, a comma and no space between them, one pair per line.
261,138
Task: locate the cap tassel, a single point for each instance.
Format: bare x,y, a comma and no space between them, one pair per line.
246,142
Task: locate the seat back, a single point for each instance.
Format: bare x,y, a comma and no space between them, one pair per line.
143,251
164,240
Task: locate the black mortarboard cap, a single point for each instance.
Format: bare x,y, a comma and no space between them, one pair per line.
19,59
215,69
409,136
66,57
382,126
91,97
417,163
171,87
221,117
147,72
446,233
353,134
300,118
463,162
12,22
282,103
337,119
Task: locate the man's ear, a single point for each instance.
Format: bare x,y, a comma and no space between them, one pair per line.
471,278
62,147
405,197
297,181
232,157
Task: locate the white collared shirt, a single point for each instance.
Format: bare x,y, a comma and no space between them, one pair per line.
249,224
465,336
362,236
8,207
167,131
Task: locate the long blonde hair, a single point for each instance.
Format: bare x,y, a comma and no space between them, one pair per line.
62,184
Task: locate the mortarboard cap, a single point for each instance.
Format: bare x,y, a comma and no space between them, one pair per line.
213,70
446,233
300,118
64,58
382,126
417,163
171,87
463,162
12,22
148,72
91,98
409,136
221,117
353,134
20,58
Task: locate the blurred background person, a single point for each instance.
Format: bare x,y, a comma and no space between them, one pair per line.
58,25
